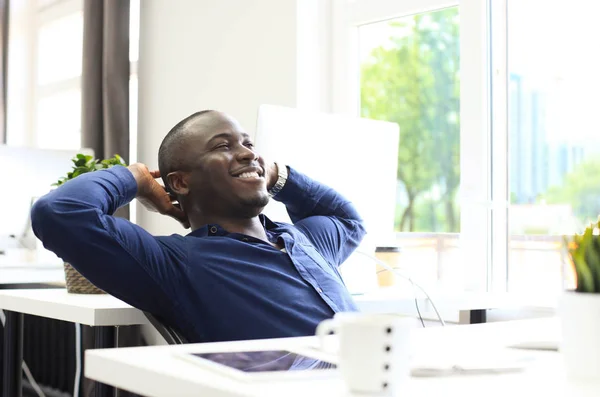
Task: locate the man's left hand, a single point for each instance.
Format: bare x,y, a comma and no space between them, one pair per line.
271,175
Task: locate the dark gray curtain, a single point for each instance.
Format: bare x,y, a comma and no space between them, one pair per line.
105,77
105,80
105,108
4,7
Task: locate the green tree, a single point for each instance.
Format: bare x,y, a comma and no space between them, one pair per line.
442,38
580,189
413,81
387,94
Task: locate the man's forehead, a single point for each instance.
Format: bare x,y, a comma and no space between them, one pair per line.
212,124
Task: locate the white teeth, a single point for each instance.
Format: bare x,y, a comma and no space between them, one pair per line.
249,175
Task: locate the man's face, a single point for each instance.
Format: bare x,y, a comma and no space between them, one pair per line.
225,174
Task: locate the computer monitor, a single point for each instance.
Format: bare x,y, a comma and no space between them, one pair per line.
28,174
358,157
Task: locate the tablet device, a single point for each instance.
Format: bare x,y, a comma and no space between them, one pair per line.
261,365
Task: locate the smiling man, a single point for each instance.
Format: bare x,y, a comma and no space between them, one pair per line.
237,275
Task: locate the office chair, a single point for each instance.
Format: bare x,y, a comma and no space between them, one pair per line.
171,335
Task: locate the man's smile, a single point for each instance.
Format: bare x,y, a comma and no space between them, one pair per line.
249,174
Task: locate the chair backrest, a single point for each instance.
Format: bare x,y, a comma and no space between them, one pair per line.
169,333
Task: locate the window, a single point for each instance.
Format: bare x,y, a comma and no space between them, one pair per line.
520,126
409,75
45,66
554,165
400,63
58,78
59,120
59,49
44,69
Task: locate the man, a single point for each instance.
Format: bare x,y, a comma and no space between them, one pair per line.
237,275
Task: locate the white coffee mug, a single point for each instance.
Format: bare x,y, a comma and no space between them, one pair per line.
373,350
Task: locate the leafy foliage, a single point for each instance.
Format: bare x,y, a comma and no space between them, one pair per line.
413,80
584,255
580,189
83,163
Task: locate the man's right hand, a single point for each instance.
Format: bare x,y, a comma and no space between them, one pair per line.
153,195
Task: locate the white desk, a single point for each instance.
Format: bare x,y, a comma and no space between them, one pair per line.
101,311
402,300
156,372
93,310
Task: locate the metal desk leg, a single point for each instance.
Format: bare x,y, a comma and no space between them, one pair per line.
104,337
478,316
12,376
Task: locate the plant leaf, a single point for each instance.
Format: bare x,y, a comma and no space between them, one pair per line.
592,259
585,279
85,163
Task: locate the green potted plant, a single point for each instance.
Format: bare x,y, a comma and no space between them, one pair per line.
82,164
580,306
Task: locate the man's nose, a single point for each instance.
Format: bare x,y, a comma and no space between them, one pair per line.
246,154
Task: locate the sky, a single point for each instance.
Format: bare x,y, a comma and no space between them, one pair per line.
552,45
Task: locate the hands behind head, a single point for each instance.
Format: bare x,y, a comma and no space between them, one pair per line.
154,196
271,174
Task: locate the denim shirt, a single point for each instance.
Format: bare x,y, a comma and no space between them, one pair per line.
210,284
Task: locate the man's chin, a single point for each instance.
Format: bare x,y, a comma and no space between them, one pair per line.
254,205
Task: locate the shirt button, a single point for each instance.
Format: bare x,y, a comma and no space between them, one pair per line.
319,290
213,229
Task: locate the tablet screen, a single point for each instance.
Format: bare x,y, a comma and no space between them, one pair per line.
266,361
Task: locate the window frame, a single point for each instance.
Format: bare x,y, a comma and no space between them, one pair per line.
39,13
484,228
35,15
500,160
45,14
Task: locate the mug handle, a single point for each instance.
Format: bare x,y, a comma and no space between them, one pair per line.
325,328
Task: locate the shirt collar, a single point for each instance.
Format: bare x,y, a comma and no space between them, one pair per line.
216,230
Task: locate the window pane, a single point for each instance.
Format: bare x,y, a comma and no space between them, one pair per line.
46,3
410,76
59,121
134,30
60,46
553,134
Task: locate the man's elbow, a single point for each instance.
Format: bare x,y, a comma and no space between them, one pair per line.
356,232
358,224
41,215
361,230
48,219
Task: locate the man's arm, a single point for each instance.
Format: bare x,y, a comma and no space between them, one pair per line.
75,222
328,219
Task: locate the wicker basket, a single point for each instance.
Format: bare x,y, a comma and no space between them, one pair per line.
77,284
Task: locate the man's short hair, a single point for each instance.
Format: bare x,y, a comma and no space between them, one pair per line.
169,155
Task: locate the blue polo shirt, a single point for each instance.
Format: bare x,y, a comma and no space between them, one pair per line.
210,284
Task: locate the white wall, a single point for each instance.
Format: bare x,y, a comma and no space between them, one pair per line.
231,55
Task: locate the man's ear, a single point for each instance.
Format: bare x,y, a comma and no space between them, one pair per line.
178,182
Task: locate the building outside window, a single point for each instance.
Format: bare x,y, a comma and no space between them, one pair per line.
498,147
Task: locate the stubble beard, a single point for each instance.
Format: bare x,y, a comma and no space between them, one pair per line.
252,206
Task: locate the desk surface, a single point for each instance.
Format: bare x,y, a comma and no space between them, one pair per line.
402,300
156,372
94,310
